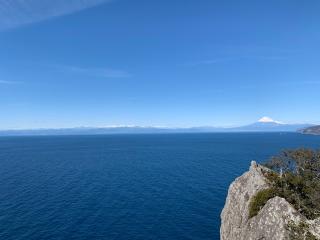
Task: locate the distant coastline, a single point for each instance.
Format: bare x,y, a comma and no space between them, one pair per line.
260,126
314,130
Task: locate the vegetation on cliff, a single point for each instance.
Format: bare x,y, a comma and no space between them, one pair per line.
259,200
296,178
300,231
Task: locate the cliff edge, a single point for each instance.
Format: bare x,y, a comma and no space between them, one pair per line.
274,221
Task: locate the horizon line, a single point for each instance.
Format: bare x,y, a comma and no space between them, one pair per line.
226,127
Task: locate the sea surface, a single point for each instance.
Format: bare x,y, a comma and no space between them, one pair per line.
165,186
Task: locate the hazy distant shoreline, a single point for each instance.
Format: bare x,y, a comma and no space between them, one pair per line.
119,131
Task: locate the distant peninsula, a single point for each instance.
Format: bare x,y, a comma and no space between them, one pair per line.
314,130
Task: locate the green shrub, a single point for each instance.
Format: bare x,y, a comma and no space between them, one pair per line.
259,200
300,231
296,177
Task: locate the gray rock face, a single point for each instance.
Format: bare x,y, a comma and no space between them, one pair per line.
272,220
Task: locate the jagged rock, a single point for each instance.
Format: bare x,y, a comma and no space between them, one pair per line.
236,211
272,221
314,227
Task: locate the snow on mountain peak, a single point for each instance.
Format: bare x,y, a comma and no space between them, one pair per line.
268,120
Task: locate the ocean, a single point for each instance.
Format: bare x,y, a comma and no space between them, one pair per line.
162,186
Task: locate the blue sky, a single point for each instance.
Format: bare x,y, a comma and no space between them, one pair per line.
160,63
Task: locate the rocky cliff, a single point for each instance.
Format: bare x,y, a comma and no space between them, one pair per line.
277,220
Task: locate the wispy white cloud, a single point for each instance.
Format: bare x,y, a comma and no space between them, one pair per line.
236,58
14,13
208,62
4,82
281,84
94,72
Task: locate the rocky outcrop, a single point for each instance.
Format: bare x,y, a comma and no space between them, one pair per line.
272,221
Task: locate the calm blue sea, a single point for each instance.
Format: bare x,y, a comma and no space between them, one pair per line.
166,186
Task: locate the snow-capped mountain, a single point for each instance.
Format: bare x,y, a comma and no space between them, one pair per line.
267,124
268,120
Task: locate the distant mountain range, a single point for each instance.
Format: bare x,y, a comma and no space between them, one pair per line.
265,124
314,130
